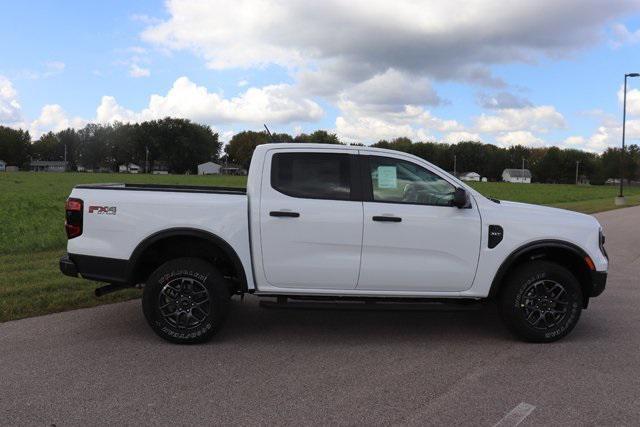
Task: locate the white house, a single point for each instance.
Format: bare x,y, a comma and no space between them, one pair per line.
208,168
469,176
48,166
3,165
130,168
517,175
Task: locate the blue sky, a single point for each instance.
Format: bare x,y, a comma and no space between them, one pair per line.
536,73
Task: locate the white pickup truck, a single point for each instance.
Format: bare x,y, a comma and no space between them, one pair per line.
338,223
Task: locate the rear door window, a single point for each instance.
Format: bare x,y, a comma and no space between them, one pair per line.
312,175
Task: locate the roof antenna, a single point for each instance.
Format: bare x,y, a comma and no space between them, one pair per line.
269,133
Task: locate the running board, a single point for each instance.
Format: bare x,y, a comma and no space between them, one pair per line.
368,305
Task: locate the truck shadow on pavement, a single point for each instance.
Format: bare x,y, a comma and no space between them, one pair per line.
249,321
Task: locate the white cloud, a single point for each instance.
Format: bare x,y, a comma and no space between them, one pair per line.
455,137
535,119
633,98
243,83
10,110
137,71
357,124
622,35
269,104
53,118
373,36
391,90
520,137
376,60
389,105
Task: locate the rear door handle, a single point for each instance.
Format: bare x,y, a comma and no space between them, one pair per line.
284,214
387,218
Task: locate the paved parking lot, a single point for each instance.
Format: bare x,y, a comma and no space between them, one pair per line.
105,366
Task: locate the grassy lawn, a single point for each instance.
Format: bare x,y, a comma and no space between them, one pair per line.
580,198
32,236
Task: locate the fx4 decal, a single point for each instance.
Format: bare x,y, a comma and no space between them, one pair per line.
103,210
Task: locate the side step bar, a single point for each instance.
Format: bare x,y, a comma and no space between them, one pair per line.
282,302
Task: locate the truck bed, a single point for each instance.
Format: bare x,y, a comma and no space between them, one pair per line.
165,187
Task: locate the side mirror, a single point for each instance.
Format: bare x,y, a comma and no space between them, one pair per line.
461,199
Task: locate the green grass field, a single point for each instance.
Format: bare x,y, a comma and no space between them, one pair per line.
32,236
580,198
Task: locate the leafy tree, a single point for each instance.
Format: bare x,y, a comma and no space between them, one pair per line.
281,137
318,137
240,148
14,146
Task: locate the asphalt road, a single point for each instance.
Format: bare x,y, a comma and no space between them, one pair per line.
105,366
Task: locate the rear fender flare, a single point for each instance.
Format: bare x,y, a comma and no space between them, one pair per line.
186,232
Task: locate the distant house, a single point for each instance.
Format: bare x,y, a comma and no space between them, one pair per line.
81,168
469,176
130,168
209,168
3,165
517,175
48,166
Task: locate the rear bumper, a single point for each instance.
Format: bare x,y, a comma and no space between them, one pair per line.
598,283
108,270
67,266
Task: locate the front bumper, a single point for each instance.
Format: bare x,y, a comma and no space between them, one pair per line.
598,283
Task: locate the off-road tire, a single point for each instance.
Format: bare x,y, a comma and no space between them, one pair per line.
186,300
537,292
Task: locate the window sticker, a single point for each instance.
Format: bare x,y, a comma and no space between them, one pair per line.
387,177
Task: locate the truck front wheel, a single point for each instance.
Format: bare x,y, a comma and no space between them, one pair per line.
540,301
185,300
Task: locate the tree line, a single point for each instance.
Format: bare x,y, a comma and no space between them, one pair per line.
179,145
548,164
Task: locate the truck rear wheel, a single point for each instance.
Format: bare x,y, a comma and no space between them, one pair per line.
185,300
541,301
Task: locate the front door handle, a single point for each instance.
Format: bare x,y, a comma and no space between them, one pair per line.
387,218
287,214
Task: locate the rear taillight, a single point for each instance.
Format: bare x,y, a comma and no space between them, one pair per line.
73,218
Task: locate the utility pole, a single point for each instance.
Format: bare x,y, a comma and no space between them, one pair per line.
455,165
620,199
65,157
146,159
577,166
